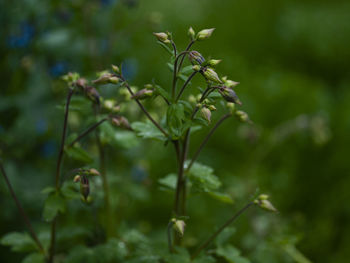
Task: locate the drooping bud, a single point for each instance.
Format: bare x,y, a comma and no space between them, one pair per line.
196,68
142,94
148,86
229,83
162,37
84,187
122,122
77,178
93,172
263,202
179,226
211,75
212,107
205,34
103,79
229,95
242,116
81,83
231,106
92,94
113,80
214,62
206,113
116,69
191,33
196,57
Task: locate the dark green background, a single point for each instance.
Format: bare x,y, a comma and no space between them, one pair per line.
292,59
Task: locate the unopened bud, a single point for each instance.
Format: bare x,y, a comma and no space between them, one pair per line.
263,202
71,77
230,83
113,80
116,69
229,95
192,99
179,226
122,122
142,94
231,106
148,86
214,62
93,172
196,68
206,113
162,37
81,83
242,116
103,79
84,187
205,33
211,75
196,57
191,33
92,94
76,178
212,107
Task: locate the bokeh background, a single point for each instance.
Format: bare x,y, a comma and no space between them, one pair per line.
292,59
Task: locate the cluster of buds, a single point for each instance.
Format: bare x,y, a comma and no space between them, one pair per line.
121,122
71,78
162,37
263,202
82,177
90,92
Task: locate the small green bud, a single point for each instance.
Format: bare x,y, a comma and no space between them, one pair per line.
263,202
71,77
93,172
162,37
142,94
191,33
113,80
230,83
122,122
196,57
231,106
196,68
148,86
179,226
192,99
263,197
116,69
214,62
212,107
211,75
77,178
205,34
229,95
242,116
206,114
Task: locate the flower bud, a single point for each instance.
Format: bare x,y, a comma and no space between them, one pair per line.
81,83
148,86
211,75
84,187
179,226
191,33
263,202
116,69
92,94
212,107
196,68
231,106
93,172
77,178
205,33
122,122
214,62
142,94
103,79
242,116
162,37
206,114
192,99
113,80
229,95
229,83
196,57
71,77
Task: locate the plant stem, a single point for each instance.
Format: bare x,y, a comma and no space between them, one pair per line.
176,70
21,210
58,172
186,50
174,47
87,131
217,232
169,231
145,111
185,84
206,139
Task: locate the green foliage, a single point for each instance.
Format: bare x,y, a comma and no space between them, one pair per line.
54,204
19,242
147,130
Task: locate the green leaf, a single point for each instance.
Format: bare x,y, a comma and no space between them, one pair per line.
162,92
223,197
202,178
53,205
169,181
224,236
147,130
78,153
175,120
19,242
34,258
187,69
231,254
166,47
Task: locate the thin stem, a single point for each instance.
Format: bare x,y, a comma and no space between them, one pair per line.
217,232
87,131
58,173
187,49
21,210
206,139
169,231
185,84
176,70
179,184
145,111
174,47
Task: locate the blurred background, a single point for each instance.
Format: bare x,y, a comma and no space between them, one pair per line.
292,59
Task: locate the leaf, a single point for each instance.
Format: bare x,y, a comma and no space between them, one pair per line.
19,242
53,205
34,258
223,197
231,254
147,130
169,181
162,92
187,69
224,236
202,178
175,120
78,153
166,47
295,253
